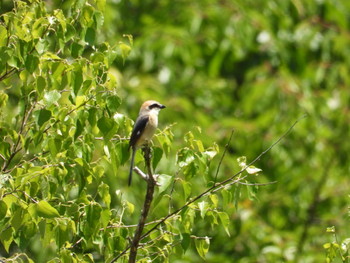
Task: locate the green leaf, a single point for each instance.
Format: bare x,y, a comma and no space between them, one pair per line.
105,217
125,50
186,241
215,199
54,146
70,32
164,181
77,80
39,27
44,209
79,129
225,220
99,19
3,209
3,36
40,84
76,49
43,116
203,208
157,156
108,127
90,36
101,4
42,46
186,187
202,246
184,157
17,218
31,63
103,191
47,232
51,97
5,149
92,222
113,103
87,15
6,238
3,99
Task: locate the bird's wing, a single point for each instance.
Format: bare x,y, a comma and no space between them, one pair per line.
138,129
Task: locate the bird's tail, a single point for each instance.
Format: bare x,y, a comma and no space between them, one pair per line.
132,165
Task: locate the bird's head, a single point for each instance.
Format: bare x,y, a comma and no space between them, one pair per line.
151,106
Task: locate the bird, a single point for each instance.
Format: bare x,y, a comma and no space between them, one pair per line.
144,129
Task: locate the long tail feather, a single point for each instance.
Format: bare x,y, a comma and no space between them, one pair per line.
132,165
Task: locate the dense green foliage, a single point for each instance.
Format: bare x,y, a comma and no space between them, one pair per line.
74,73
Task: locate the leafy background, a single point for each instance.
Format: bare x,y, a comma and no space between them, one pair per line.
77,81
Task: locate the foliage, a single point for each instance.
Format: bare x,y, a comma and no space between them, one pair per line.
336,250
69,72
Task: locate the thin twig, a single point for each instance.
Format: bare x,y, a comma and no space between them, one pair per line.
223,156
7,74
257,184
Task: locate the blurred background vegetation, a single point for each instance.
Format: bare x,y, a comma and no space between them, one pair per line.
255,67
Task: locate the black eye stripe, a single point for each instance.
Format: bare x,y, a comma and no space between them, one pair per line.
154,105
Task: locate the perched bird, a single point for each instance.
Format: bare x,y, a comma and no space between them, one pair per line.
144,128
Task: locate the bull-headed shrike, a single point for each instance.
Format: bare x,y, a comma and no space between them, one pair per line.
144,128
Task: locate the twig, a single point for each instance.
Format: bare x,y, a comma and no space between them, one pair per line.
76,243
7,74
129,226
257,184
223,156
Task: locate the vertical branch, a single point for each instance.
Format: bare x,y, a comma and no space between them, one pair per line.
146,206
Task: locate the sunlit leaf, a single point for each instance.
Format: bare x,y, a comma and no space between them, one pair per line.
3,209
44,209
164,181
253,170
203,207
51,97
202,246
225,221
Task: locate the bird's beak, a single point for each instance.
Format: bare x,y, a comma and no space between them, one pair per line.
162,106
